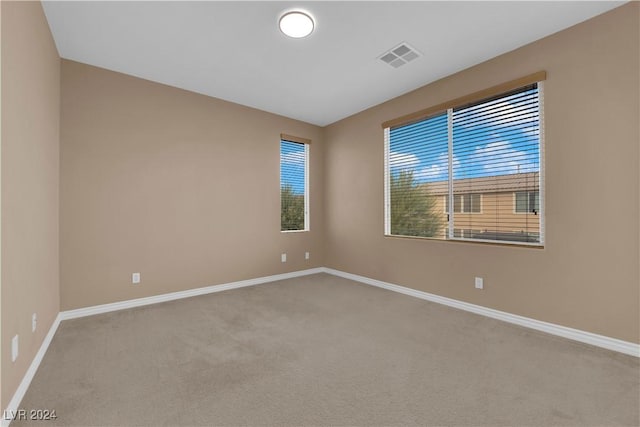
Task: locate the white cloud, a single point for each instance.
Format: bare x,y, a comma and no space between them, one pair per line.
499,158
439,170
433,173
403,160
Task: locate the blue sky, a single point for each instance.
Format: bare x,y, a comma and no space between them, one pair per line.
498,137
292,165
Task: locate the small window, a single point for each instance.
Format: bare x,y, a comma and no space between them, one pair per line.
294,186
528,202
465,203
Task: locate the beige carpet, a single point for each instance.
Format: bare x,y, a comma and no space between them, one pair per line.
321,350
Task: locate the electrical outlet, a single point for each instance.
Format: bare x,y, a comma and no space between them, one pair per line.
283,257
34,322
306,255
135,278
14,348
479,283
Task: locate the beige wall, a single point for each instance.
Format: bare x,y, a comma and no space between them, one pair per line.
180,187
587,276
30,170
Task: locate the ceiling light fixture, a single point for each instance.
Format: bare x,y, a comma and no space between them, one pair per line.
296,24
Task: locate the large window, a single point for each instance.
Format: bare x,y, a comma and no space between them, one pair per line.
481,155
294,186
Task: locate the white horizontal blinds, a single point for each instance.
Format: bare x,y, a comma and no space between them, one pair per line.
417,178
496,168
293,186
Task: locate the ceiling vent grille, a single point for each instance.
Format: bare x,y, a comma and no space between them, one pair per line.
399,55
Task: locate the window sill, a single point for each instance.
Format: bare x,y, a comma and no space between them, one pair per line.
472,242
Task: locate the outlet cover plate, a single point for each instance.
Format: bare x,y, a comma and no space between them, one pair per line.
14,348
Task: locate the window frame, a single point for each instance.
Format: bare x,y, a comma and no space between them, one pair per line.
447,107
306,143
529,192
462,195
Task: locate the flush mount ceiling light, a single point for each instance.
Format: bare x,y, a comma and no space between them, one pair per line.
296,24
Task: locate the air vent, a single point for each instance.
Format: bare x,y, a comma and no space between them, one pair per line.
399,55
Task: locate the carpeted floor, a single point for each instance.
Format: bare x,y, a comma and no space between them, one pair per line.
321,350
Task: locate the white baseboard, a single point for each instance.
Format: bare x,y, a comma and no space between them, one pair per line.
105,308
9,413
614,344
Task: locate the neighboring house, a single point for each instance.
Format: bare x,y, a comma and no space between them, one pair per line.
502,207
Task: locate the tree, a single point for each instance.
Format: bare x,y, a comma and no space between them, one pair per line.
413,208
291,209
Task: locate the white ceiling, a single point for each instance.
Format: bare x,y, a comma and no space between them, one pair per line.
235,51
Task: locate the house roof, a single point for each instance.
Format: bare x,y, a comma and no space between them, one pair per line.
488,184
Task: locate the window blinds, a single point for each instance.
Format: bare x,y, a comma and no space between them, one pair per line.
417,155
293,186
482,158
496,153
